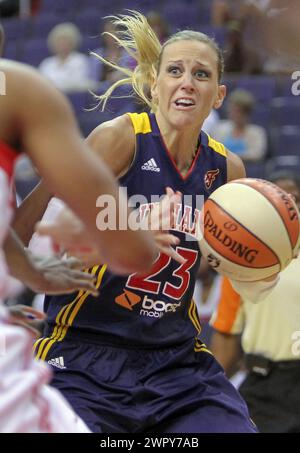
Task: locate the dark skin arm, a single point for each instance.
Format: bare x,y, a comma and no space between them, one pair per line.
30,212
116,151
227,350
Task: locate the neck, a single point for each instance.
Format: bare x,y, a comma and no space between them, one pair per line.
63,57
182,144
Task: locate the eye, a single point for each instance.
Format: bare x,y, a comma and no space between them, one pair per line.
174,70
202,74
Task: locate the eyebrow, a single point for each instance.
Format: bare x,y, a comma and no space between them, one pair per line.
198,62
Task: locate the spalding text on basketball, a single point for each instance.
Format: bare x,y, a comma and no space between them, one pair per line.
241,250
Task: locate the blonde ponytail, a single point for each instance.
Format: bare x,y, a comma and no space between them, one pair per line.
138,39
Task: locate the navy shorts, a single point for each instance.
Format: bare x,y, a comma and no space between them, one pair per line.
171,390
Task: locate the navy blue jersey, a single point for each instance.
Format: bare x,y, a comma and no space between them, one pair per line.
155,309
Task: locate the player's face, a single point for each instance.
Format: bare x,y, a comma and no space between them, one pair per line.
187,86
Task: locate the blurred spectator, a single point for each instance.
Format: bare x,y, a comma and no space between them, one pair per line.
111,51
159,25
223,11
247,140
211,122
270,338
281,32
270,28
238,57
68,69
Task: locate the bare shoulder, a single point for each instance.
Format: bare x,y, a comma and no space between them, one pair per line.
235,167
119,129
114,141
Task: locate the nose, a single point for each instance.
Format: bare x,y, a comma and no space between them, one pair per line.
187,82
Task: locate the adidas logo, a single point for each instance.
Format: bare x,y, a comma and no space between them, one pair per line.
58,363
150,165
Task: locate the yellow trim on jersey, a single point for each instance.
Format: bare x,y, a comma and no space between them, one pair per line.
141,123
217,146
201,347
80,302
62,324
193,314
58,326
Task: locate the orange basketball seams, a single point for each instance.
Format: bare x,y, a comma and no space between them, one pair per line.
287,210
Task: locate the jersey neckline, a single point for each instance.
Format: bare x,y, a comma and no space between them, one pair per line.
156,131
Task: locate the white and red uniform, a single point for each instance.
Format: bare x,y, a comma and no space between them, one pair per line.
27,403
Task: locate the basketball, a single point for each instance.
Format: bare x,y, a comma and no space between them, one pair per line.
250,229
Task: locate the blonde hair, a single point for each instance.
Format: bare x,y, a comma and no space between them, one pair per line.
137,38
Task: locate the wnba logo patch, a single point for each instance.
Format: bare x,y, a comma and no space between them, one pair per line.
210,177
128,299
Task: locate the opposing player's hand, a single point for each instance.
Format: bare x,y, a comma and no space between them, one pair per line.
29,318
61,276
161,220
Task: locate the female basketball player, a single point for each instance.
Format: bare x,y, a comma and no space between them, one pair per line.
133,361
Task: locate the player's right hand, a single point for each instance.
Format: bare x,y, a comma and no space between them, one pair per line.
161,220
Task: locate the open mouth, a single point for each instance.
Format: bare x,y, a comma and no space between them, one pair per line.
184,103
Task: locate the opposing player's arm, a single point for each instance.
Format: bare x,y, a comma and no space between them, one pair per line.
30,212
235,167
51,138
115,148
226,348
